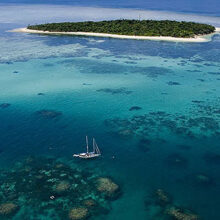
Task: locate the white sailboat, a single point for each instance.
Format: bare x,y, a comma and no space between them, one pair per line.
95,153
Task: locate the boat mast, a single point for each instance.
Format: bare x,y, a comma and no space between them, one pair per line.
93,140
96,148
87,145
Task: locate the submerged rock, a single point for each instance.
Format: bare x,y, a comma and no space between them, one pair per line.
48,113
181,214
4,105
78,213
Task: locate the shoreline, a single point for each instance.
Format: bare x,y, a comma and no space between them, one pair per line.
197,39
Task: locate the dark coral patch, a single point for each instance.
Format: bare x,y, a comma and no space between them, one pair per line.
144,144
153,71
171,83
201,80
197,101
194,71
130,62
50,114
190,125
115,91
212,158
202,179
184,147
205,123
135,108
162,197
214,73
4,105
176,160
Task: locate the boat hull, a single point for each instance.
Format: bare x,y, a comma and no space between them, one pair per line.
86,156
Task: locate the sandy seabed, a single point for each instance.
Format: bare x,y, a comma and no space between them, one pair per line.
198,39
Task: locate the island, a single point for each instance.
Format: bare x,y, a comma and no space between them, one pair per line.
129,29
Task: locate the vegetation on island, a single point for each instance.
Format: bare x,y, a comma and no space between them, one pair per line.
131,27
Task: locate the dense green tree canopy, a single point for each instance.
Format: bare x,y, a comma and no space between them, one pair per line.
131,27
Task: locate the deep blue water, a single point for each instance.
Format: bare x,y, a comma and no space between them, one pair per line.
189,6
152,106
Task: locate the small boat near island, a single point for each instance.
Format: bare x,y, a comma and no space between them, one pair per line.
88,155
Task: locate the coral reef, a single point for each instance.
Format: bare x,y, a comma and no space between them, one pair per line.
181,214
7,208
162,197
78,213
62,186
108,187
42,184
125,132
166,208
156,124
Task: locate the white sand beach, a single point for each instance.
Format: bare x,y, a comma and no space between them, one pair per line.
197,39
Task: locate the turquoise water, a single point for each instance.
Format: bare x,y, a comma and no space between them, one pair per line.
153,107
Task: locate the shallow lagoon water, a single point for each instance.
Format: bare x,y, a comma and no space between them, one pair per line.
94,83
